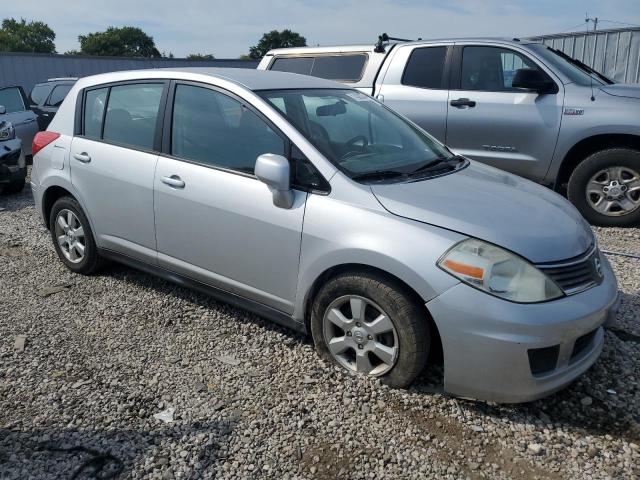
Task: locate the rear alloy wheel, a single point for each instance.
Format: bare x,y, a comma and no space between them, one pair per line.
370,325
606,188
72,237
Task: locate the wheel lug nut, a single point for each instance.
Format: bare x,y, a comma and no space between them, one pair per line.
357,324
348,334
369,337
360,347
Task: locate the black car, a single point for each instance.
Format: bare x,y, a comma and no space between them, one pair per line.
13,170
46,97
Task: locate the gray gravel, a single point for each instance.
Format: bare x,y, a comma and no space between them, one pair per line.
101,357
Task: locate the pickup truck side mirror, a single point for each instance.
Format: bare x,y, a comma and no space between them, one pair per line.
2,110
275,171
532,79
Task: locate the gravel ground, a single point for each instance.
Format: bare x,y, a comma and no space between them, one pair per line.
103,355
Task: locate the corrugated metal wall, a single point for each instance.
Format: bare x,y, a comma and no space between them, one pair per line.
27,69
615,53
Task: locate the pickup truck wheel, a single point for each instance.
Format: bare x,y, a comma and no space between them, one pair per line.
72,237
369,325
605,187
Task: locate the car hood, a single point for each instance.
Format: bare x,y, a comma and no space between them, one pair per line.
492,205
622,90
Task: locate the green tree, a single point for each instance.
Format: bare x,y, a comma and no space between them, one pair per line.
20,36
118,42
275,39
200,56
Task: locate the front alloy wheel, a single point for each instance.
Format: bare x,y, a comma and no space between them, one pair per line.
360,335
371,324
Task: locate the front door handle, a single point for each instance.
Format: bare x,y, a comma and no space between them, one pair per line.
83,157
463,102
173,181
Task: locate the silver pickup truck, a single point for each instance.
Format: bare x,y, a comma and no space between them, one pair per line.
517,105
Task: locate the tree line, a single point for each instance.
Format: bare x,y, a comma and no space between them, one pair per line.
38,37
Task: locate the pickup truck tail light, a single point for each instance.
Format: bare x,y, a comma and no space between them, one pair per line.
41,140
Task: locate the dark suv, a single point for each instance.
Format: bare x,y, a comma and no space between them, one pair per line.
46,97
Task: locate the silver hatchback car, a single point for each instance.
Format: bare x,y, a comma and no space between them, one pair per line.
316,206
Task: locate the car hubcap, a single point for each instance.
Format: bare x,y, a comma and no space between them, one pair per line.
360,336
614,191
70,235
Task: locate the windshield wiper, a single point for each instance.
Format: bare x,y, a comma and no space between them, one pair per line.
581,65
435,162
378,175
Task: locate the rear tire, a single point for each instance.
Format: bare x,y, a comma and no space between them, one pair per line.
605,187
70,230
403,344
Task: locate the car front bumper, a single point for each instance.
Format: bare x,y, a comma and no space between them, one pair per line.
492,347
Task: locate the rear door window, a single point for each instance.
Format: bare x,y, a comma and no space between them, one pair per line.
346,68
425,68
58,95
11,99
132,112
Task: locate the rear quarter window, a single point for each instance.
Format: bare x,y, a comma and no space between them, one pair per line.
346,68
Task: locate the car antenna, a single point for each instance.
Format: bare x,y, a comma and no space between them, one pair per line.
384,38
586,39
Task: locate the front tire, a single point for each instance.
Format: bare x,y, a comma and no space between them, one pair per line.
369,324
605,187
72,237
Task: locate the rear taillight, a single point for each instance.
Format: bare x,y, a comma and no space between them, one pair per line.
41,140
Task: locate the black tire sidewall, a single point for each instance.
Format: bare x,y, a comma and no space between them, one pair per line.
91,260
409,320
576,192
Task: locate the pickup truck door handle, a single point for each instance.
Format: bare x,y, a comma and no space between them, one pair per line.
462,103
83,157
173,181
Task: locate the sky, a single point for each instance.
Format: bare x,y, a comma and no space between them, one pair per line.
227,29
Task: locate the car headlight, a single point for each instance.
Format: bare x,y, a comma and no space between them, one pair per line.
7,132
498,272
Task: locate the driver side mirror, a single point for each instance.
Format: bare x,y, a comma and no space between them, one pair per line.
3,110
532,79
275,171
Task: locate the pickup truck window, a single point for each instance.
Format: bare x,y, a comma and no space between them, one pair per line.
425,68
491,69
346,68
360,136
38,94
58,95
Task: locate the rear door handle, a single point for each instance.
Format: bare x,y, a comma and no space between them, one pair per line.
173,181
83,157
463,102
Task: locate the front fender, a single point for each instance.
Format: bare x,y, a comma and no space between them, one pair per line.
337,233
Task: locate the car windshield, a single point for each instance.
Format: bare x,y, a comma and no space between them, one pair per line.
577,74
363,138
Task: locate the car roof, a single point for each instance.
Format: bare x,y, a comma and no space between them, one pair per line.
250,79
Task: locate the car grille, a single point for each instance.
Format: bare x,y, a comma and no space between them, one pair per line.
576,275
